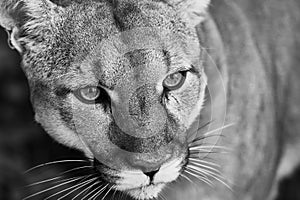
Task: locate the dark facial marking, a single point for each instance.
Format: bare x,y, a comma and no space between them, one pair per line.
140,105
167,57
128,9
62,91
66,116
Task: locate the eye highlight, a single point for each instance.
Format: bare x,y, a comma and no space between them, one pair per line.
88,94
175,80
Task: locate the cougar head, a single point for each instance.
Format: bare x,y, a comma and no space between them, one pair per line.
120,80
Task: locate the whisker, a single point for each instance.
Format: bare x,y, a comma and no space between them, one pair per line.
200,177
187,178
203,179
203,126
200,147
222,181
205,171
55,162
86,189
91,180
200,151
122,194
204,161
83,185
77,168
106,193
64,183
91,192
113,195
214,175
57,177
194,134
162,196
44,181
77,186
205,166
202,137
203,146
218,129
97,194
197,171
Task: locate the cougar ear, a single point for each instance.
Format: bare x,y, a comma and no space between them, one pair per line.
27,15
192,11
11,12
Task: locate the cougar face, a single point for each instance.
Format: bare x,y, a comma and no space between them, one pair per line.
119,80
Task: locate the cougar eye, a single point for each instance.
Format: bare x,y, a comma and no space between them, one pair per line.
175,80
88,94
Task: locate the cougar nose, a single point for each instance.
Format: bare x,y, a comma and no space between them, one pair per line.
151,174
148,167
148,163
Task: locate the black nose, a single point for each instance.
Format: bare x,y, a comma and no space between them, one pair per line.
151,174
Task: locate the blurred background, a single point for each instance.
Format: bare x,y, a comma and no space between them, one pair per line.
24,144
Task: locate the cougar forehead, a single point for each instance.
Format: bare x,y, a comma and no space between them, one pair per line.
76,35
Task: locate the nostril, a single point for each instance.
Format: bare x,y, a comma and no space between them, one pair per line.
151,174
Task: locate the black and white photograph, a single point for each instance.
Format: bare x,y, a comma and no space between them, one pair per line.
149,99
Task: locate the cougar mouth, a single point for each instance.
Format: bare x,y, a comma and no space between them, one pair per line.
147,192
139,184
